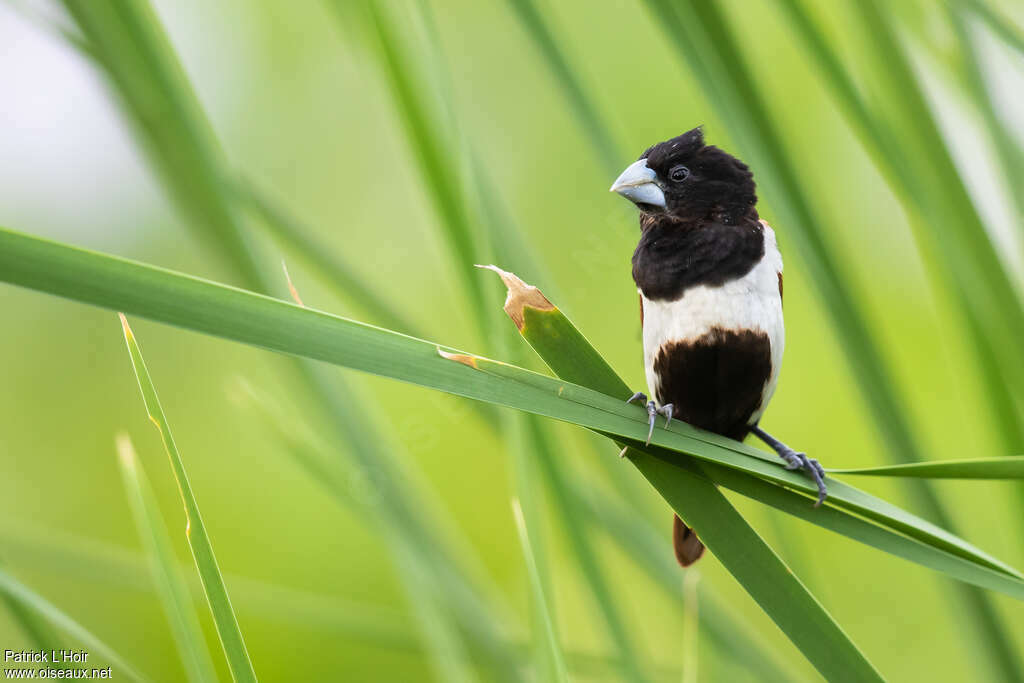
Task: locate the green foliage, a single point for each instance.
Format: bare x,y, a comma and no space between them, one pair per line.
195,531
457,622
167,577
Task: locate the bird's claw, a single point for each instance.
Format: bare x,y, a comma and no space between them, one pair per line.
652,412
667,411
800,461
638,396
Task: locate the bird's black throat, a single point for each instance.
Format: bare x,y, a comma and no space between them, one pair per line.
674,255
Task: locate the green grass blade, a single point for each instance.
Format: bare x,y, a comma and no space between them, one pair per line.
758,569
60,620
442,176
541,601
703,39
551,331
170,584
691,622
1001,26
129,45
645,546
1007,150
439,175
37,629
195,531
722,529
138,60
889,149
1009,467
539,320
583,107
257,320
445,644
576,532
420,552
334,271
58,553
857,528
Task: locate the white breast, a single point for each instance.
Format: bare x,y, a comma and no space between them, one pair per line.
752,302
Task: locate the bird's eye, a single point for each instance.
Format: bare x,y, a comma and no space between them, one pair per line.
678,174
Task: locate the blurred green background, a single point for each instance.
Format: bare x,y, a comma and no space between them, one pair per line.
299,105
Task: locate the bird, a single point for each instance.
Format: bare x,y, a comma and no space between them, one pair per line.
709,274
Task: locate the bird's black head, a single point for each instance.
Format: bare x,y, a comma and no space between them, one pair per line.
689,181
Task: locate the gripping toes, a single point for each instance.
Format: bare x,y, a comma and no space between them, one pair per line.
797,461
653,411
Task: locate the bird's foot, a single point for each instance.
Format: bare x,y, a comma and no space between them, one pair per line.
652,412
800,461
795,461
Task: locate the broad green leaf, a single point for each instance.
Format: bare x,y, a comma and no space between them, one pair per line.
167,577
195,531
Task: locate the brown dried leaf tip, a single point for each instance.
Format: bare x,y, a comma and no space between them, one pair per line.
520,295
463,358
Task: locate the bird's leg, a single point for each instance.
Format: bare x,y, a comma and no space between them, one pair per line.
652,411
795,461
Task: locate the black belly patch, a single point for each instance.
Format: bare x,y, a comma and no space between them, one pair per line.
715,382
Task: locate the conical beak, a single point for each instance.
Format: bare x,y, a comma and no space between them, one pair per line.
638,184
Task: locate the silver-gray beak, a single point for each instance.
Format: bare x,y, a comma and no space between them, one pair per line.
639,185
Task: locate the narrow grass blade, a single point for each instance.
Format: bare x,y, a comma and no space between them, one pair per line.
758,569
170,584
336,272
889,148
59,554
706,43
441,174
134,53
377,494
1001,26
129,45
38,630
275,325
541,601
691,622
44,608
723,530
548,329
570,84
438,172
579,539
1007,150
1009,467
643,544
195,531
445,644
862,528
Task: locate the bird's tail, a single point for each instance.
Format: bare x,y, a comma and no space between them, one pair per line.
688,547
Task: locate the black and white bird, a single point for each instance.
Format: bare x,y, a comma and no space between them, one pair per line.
709,274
